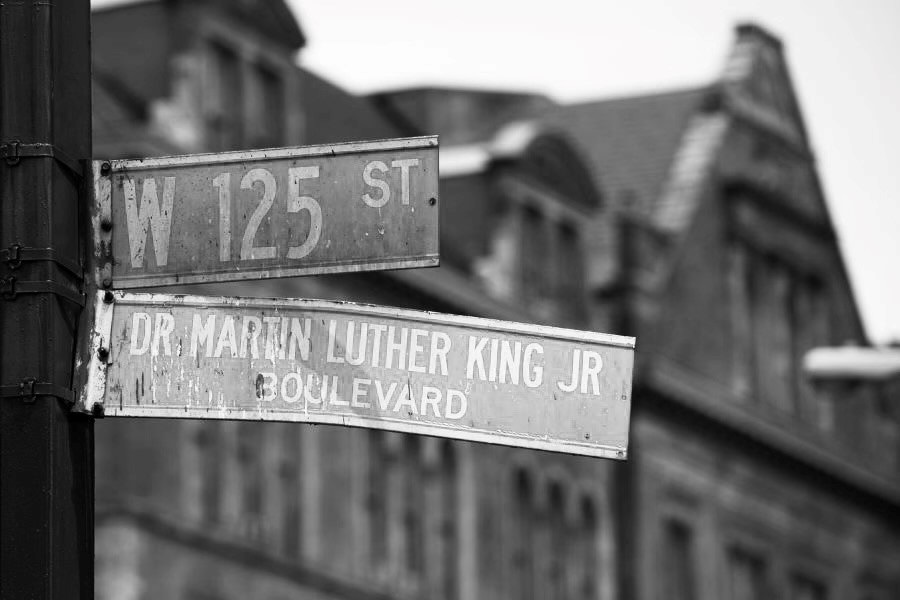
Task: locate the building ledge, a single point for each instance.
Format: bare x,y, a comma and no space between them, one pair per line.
699,394
211,543
453,287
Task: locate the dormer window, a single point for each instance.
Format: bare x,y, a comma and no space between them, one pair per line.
271,123
570,274
248,107
780,309
533,253
225,121
525,246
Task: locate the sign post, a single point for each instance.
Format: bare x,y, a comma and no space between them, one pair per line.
312,361
46,451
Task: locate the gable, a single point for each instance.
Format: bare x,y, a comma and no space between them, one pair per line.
629,143
757,86
272,17
335,115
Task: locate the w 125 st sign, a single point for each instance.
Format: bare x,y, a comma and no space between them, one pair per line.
266,213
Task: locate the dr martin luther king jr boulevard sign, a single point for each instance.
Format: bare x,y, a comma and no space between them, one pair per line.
310,210
314,361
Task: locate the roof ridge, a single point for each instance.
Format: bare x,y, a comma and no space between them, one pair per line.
463,89
650,95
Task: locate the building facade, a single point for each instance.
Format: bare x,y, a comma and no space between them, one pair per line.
691,219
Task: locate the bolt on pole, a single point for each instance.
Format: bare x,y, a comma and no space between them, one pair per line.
46,452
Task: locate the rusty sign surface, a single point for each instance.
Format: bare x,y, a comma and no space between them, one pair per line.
315,361
266,213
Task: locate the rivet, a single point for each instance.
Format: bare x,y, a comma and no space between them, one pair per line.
102,353
432,201
108,297
106,225
105,168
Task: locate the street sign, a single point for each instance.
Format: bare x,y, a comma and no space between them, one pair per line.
266,213
314,361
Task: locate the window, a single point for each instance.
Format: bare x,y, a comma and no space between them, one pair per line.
570,275
225,127
587,552
523,549
678,560
533,255
819,325
449,551
770,302
272,119
806,588
250,443
413,522
746,576
377,498
290,493
209,441
742,338
778,314
558,559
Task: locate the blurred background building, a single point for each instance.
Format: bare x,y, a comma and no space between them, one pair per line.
692,219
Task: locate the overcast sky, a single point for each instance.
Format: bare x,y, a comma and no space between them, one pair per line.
844,56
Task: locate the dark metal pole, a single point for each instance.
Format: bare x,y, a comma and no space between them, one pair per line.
46,452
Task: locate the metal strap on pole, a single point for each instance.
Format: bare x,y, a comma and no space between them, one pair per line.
16,254
11,287
46,449
14,150
29,389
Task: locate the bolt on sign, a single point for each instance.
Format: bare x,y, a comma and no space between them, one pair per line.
266,213
314,361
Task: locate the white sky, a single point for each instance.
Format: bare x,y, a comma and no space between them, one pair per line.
844,56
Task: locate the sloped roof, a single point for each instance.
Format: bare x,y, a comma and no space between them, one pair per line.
272,17
629,143
459,115
119,127
335,115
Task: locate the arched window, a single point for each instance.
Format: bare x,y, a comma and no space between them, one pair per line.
522,583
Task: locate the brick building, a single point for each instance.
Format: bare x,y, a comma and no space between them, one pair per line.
693,219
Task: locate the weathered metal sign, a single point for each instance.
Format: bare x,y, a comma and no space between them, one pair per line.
361,365
266,213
